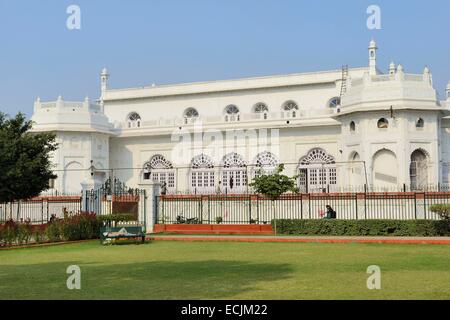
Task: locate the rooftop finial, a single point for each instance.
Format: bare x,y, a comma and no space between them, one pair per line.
447,91
104,77
373,57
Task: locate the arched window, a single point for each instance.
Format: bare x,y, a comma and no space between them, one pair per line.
352,126
317,171
190,115
265,163
261,109
383,123
202,177
418,170
234,173
158,169
134,120
290,109
232,113
420,123
334,103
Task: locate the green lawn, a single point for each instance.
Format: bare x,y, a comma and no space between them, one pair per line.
226,270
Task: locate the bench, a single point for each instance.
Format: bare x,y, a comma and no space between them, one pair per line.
125,232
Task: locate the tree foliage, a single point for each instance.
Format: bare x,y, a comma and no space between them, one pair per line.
442,210
24,159
275,184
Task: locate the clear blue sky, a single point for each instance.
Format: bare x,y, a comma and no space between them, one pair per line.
167,41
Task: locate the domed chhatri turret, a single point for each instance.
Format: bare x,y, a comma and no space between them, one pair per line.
392,68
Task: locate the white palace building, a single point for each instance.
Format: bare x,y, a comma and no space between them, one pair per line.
337,130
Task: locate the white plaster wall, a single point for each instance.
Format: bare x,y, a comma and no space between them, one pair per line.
132,153
211,105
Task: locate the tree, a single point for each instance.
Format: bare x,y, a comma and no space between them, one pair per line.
24,159
274,185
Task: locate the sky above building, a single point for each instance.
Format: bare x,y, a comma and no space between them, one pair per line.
142,42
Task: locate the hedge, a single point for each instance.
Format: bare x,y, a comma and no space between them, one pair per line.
419,228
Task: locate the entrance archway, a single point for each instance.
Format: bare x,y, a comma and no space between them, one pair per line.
418,170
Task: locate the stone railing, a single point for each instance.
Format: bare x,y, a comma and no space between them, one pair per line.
66,106
240,118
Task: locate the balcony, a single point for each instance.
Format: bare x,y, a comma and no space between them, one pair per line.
243,119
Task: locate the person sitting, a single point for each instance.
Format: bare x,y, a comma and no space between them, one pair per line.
331,214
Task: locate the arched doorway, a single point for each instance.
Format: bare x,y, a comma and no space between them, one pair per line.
317,172
418,170
385,169
161,170
202,175
234,174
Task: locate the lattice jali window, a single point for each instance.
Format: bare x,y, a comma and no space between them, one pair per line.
159,169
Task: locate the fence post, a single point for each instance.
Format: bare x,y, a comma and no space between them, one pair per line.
18,211
301,206
250,209
356,205
152,190
42,211
209,212
425,206
257,207
415,205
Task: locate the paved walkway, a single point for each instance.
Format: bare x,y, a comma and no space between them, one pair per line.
300,239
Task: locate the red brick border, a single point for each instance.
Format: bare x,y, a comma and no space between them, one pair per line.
301,240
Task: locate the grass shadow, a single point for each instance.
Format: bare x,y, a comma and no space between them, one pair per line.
210,279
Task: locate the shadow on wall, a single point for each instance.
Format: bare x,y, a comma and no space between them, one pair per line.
121,157
212,279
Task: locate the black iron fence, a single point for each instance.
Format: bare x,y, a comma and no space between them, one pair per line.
40,209
104,202
255,209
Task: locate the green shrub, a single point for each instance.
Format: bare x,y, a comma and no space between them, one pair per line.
80,227
443,210
420,228
53,231
39,235
9,232
24,232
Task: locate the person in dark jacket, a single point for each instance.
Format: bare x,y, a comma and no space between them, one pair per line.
331,214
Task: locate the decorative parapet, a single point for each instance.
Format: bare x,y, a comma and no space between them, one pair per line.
66,106
396,88
63,115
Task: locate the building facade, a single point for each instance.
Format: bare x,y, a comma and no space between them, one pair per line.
338,130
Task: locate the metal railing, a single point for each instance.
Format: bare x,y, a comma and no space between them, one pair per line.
256,209
40,209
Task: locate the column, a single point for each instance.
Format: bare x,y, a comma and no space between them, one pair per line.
152,191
